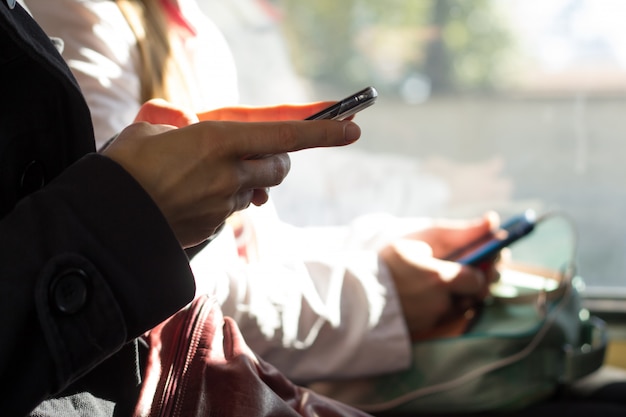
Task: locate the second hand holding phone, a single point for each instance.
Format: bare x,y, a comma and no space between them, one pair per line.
485,249
348,106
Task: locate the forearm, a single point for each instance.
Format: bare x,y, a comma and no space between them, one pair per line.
81,276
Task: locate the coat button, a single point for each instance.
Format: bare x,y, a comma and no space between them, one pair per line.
33,177
69,291
11,3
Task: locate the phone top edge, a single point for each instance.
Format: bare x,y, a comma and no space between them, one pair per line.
348,106
343,114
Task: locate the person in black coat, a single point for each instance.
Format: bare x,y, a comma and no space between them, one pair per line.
92,244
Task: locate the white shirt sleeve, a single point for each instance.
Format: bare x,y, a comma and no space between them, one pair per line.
103,54
101,50
314,302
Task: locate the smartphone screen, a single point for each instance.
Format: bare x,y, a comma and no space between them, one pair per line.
348,106
487,247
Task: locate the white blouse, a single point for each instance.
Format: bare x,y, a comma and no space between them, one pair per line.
101,50
315,302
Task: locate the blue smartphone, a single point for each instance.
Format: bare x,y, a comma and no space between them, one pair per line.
348,106
486,248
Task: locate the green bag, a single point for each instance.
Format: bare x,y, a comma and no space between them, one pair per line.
533,337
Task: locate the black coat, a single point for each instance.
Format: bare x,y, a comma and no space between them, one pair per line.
87,261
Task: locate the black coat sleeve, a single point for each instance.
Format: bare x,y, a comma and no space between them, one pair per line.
86,264
87,261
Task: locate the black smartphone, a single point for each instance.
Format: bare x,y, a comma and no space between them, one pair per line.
348,106
487,247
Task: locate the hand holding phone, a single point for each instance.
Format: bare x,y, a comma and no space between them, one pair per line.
479,253
348,106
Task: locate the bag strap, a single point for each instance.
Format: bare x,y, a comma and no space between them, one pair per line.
589,354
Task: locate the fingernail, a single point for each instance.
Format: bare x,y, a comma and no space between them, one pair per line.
351,132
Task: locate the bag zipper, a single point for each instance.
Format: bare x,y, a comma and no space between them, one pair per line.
187,338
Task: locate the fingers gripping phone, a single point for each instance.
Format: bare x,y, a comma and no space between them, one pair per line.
486,248
348,106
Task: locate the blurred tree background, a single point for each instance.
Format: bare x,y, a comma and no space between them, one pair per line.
416,48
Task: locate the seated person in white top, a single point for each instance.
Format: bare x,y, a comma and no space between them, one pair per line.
315,302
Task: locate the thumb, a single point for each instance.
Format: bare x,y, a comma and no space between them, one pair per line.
467,281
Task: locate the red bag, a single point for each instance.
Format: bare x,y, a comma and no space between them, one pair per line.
200,365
